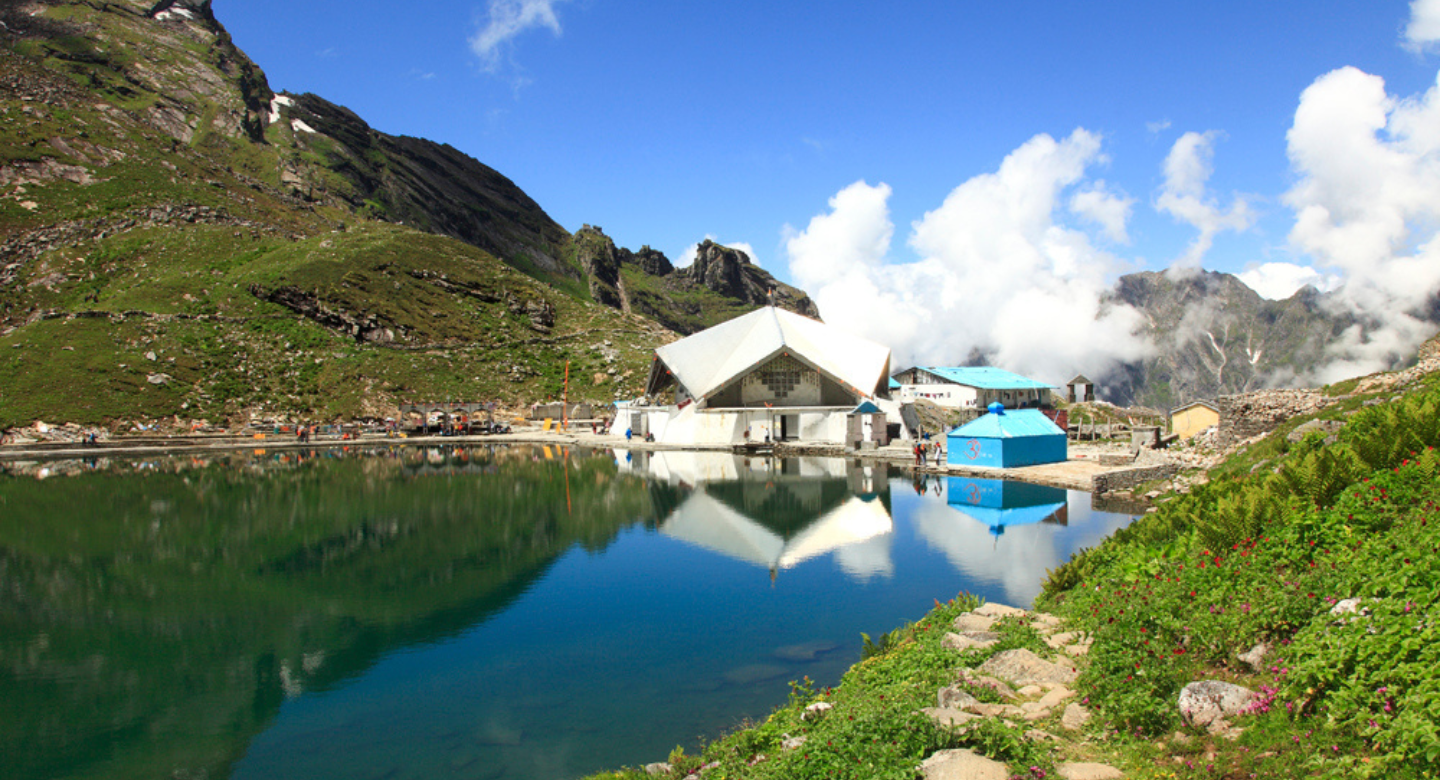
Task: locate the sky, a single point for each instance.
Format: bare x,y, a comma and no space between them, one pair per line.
941,177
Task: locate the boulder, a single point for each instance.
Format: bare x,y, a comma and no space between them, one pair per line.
1082,770
1023,667
970,640
949,716
972,622
1208,702
1075,717
816,710
956,697
1255,656
962,765
998,611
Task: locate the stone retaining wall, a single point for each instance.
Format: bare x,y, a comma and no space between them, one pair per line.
1248,415
1127,479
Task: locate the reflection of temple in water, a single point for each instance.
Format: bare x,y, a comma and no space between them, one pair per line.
770,512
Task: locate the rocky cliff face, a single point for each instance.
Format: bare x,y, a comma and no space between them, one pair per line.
1216,336
720,284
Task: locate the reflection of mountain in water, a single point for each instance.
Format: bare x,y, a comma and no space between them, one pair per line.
154,620
772,513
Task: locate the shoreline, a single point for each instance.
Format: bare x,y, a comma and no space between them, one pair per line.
1078,472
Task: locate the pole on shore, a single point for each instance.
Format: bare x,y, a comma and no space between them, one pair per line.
565,397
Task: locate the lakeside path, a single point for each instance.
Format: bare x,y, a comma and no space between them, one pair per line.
1076,473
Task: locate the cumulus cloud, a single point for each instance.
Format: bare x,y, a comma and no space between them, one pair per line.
1424,27
688,256
507,19
1109,210
1278,281
1000,272
1367,204
1184,197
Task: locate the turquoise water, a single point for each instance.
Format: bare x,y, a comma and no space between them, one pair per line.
517,612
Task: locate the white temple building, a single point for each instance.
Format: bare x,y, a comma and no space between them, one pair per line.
769,375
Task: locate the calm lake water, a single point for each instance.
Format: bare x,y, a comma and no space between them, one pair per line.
490,612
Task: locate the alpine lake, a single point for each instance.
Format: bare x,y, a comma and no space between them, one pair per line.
468,612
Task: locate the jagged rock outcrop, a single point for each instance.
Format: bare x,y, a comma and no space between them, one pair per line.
730,273
597,255
647,283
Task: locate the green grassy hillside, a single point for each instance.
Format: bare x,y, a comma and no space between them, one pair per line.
168,248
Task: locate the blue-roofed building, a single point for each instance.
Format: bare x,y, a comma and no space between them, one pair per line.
1007,438
970,387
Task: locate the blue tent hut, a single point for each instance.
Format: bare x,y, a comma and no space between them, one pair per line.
1006,439
1001,503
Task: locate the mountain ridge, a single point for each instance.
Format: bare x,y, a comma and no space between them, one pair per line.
178,239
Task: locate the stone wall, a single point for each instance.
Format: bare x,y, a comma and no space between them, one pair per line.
1128,479
1248,415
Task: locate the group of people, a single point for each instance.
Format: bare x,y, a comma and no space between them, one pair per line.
925,448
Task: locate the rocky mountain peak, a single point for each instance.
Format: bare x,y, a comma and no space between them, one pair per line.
722,269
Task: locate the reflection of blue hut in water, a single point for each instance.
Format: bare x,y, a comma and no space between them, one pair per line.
999,503
1006,438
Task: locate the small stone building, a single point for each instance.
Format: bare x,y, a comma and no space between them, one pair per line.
1192,418
1079,389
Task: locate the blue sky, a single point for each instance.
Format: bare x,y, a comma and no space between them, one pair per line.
859,150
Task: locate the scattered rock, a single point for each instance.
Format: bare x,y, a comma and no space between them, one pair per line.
970,621
792,743
1075,717
816,710
1327,427
997,611
1044,622
1057,641
949,716
1255,656
1349,607
962,765
158,379
658,768
954,696
1022,667
1036,735
1088,771
1057,695
970,640
1208,702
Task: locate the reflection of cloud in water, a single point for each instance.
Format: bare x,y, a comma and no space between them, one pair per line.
1017,559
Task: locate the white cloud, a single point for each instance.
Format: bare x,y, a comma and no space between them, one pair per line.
1367,203
507,20
1108,210
687,257
854,235
1187,170
1278,281
998,273
1156,128
1424,26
